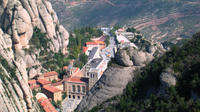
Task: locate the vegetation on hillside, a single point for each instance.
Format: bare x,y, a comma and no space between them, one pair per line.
55,61
77,40
38,40
141,94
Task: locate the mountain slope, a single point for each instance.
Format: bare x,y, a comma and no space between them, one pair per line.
168,83
29,30
120,72
157,19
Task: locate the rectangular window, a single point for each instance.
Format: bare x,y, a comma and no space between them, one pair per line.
79,89
73,88
83,89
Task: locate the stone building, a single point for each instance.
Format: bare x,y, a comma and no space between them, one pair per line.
94,70
58,85
50,76
43,82
33,85
76,87
52,92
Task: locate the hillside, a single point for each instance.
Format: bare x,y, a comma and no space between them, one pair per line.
168,84
158,19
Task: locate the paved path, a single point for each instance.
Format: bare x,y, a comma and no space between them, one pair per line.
69,105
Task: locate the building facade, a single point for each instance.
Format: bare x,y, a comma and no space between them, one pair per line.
52,92
75,87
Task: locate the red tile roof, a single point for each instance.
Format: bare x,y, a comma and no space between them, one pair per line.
100,42
74,79
31,82
96,43
53,73
85,49
46,105
52,89
34,87
57,83
75,69
65,67
91,43
43,81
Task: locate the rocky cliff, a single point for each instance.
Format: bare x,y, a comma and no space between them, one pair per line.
18,19
120,72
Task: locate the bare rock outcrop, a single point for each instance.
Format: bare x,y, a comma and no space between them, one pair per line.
104,89
167,78
18,19
123,59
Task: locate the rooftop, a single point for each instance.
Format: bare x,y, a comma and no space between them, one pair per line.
43,81
92,53
53,73
78,74
57,83
34,87
31,81
95,62
95,43
74,69
100,42
46,105
94,70
85,49
52,89
74,79
65,67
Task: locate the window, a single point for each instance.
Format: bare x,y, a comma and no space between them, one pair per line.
83,89
88,74
73,97
79,89
78,97
92,75
69,96
73,88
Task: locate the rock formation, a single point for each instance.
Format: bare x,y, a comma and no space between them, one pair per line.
18,19
112,83
167,78
117,76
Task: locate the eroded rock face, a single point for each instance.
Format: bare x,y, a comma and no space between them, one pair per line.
123,59
112,83
132,57
18,18
167,78
21,17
